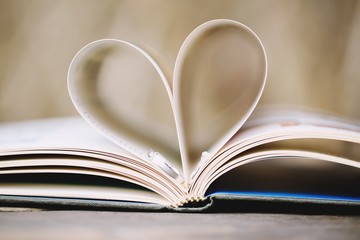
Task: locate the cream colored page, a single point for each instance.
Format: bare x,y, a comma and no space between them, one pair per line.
82,192
316,161
309,124
312,133
61,133
292,115
103,166
73,136
121,91
219,75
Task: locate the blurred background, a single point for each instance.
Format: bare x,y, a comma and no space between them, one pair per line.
313,47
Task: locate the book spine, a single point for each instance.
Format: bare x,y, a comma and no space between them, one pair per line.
190,200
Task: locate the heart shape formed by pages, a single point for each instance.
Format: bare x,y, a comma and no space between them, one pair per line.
123,92
219,76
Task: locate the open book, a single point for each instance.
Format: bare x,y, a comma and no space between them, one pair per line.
148,139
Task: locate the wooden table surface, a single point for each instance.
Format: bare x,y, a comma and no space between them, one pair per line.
29,224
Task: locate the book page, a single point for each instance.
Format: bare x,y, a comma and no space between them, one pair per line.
60,133
312,133
283,114
289,177
121,91
71,142
296,124
219,75
80,192
305,159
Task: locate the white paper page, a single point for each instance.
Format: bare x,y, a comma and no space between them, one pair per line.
82,192
204,183
60,133
275,128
